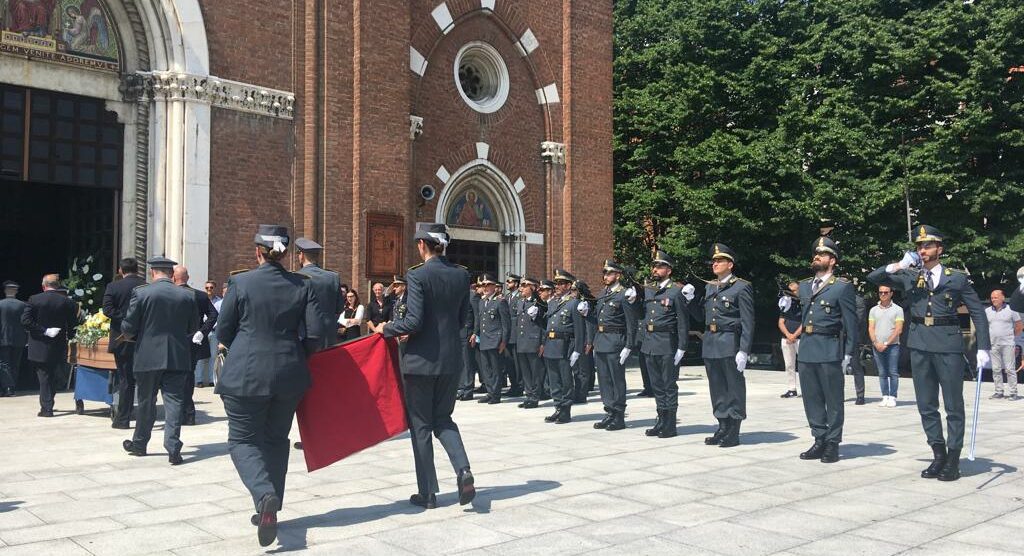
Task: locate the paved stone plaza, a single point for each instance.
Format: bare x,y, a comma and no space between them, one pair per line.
68,488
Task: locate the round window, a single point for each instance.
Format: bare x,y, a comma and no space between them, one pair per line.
481,77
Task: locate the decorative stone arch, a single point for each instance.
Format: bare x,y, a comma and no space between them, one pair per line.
508,210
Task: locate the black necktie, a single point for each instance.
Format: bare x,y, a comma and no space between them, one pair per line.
816,285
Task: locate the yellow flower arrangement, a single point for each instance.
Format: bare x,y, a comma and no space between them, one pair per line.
94,327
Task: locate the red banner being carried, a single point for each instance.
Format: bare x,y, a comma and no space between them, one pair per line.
355,401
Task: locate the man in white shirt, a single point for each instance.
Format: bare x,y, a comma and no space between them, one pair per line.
1003,324
885,324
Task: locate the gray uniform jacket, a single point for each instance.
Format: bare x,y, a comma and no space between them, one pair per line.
615,321
327,286
494,322
260,320
728,315
666,322
161,319
513,298
566,328
12,332
826,316
437,301
469,326
938,306
529,330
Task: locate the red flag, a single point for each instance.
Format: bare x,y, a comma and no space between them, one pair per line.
355,401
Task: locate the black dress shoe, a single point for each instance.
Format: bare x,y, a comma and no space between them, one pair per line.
189,421
485,399
44,413
254,519
530,404
297,445
466,396
814,452
951,470
831,453
514,393
175,459
645,394
467,491
428,501
860,401
789,394
211,385
79,407
200,385
480,390
132,449
938,461
603,423
122,426
494,400
266,529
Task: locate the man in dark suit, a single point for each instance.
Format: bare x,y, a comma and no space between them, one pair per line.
50,319
200,341
12,338
327,286
437,303
162,319
115,306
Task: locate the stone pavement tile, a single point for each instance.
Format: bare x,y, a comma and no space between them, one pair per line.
985,503
243,501
747,501
947,516
796,490
166,515
455,536
624,530
558,542
991,535
17,518
596,506
730,538
658,493
59,547
947,547
143,540
43,486
858,511
902,500
849,544
712,483
54,531
630,477
784,519
364,546
653,546
688,515
69,511
116,490
185,495
902,531
525,521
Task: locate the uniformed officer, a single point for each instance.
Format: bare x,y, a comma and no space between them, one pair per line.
438,302
530,322
727,312
613,337
666,328
829,311
399,307
585,373
493,329
564,337
327,286
12,338
116,298
162,319
933,293
470,363
265,373
544,291
515,377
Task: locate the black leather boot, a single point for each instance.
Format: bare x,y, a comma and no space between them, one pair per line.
554,416
732,435
951,470
668,428
565,415
658,425
814,452
618,421
938,461
831,453
723,424
603,423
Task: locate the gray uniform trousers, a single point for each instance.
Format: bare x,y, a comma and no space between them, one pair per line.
532,370
492,364
171,385
470,366
664,375
822,385
728,388
560,379
258,428
429,402
611,378
931,370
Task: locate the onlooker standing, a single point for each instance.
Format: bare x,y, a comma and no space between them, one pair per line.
379,307
50,318
12,338
1003,324
115,305
205,367
207,317
352,317
789,324
885,324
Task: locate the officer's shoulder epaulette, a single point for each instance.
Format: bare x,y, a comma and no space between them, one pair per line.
951,271
808,280
740,280
415,266
843,279
302,275
239,271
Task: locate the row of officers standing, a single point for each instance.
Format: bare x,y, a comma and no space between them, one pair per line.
545,336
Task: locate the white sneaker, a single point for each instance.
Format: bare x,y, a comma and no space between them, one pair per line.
884,402
892,401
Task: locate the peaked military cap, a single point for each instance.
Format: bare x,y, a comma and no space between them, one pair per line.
722,251
161,262
486,278
562,275
825,245
512,277
431,231
546,285
530,281
11,285
272,237
307,245
663,258
611,265
925,233
399,279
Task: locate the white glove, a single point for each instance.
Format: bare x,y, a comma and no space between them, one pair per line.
846,364
984,360
197,338
532,311
678,357
51,332
688,292
910,258
573,357
785,302
631,293
583,307
623,355
741,361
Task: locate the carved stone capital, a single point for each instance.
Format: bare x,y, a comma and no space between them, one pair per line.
415,126
222,93
552,152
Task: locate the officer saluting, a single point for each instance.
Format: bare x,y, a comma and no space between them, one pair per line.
728,316
666,328
933,293
265,374
613,339
528,330
327,286
829,309
563,340
493,330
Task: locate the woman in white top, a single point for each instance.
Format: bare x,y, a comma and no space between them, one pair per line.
351,318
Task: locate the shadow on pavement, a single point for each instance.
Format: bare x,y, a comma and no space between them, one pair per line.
854,451
205,451
9,505
981,466
766,437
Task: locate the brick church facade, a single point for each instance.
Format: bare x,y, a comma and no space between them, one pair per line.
347,121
